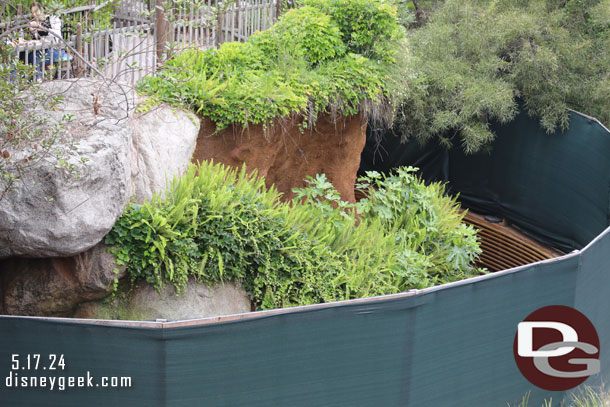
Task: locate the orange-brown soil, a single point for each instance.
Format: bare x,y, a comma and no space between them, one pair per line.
285,156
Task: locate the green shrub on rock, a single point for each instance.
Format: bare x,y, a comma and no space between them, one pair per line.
312,61
310,34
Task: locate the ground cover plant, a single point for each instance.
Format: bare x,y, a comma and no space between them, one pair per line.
219,224
331,56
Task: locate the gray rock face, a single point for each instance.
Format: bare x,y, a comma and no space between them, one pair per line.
145,303
51,225
51,215
162,145
55,286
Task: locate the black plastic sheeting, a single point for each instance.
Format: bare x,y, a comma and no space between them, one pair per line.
555,187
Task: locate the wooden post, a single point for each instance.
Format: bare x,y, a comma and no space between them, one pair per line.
161,26
219,33
236,27
278,9
79,48
419,14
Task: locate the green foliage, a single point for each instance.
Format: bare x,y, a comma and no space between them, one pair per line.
473,61
368,28
434,245
305,65
217,224
310,34
427,224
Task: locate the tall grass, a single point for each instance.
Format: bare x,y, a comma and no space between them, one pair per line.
586,397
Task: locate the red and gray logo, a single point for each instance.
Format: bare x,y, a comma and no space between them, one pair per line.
556,348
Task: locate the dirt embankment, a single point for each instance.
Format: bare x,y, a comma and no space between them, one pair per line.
285,156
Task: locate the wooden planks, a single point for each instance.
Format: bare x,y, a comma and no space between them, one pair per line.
506,247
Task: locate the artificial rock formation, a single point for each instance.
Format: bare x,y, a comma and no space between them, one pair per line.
285,155
50,214
127,154
51,225
162,145
144,302
55,286
53,259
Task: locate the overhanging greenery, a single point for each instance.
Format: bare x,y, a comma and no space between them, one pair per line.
325,57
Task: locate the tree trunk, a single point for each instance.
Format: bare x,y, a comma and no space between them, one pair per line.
419,14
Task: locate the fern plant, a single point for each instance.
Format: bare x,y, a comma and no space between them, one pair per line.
218,224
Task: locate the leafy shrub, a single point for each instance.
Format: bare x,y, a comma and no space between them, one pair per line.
304,66
427,224
369,28
309,33
218,224
434,245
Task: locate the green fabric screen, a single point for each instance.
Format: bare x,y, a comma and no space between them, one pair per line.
444,346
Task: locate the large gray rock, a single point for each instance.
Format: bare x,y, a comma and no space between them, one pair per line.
55,286
127,155
144,302
162,145
50,224
49,214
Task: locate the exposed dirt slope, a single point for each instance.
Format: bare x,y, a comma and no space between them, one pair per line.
285,156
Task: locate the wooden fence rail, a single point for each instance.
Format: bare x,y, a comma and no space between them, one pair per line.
142,35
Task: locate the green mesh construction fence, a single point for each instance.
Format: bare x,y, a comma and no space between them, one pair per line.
444,346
